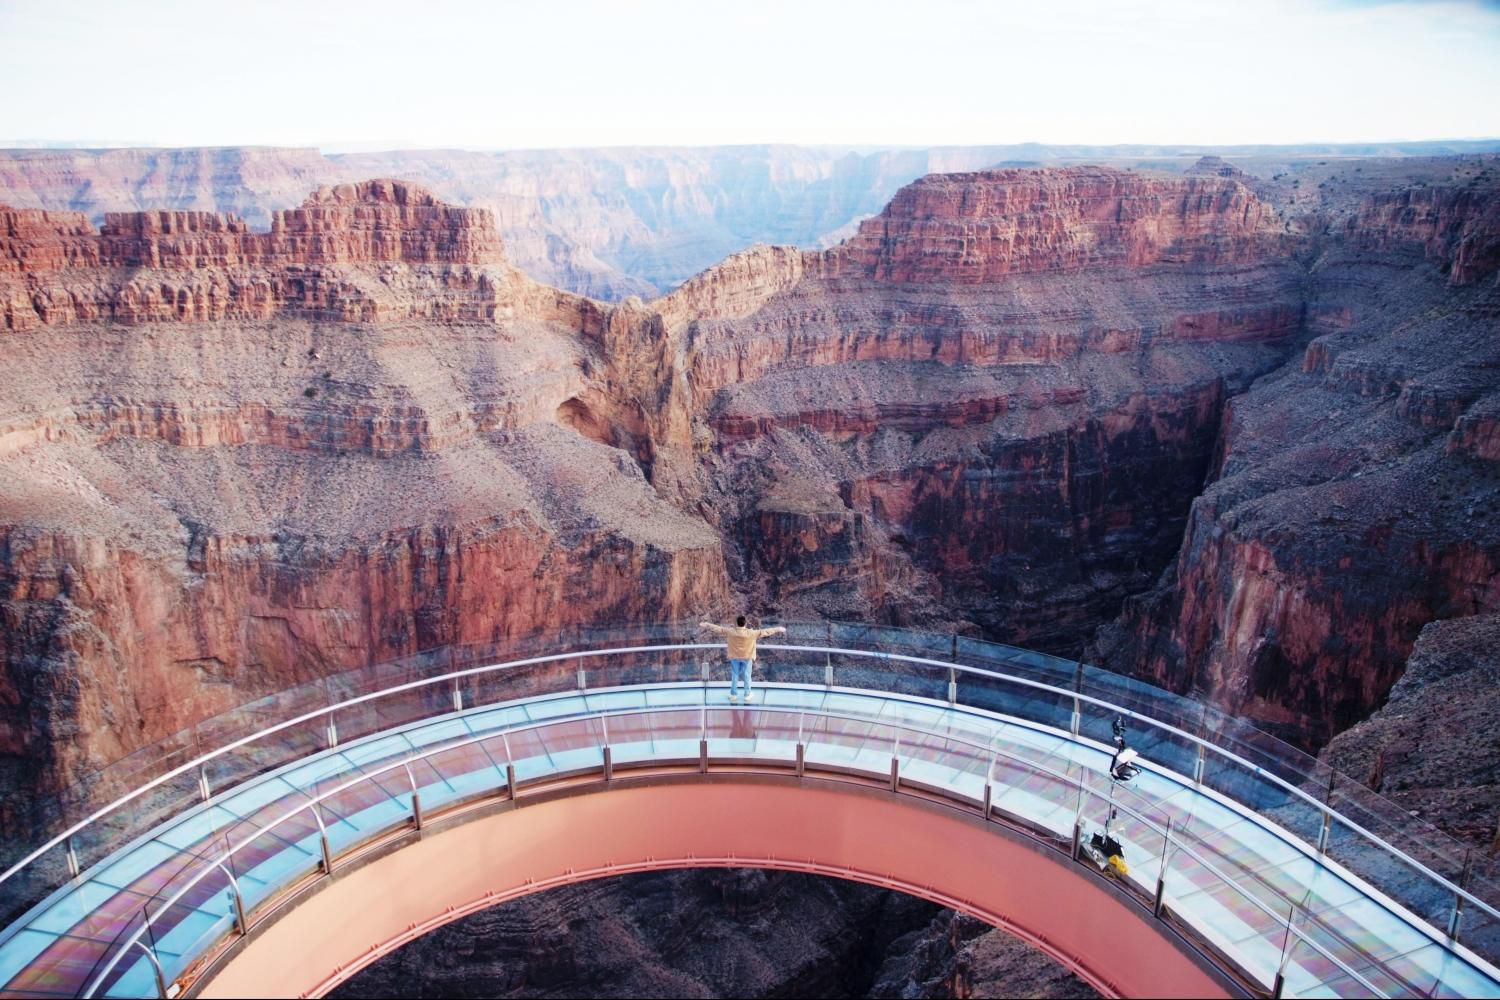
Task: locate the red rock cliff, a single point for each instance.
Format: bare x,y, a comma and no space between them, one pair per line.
201,267
975,228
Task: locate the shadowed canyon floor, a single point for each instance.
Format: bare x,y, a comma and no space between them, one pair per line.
1223,431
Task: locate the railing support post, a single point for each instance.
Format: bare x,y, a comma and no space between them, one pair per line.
416,797
1323,833
1077,835
1278,987
1161,875
801,759
828,658
204,792
241,924
609,764
333,732
74,869
510,781
583,683
702,756
895,773
323,844
1455,922
458,697
989,791
1077,720
1202,762
161,978
952,685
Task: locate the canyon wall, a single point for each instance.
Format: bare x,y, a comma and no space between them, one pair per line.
616,222
1355,495
986,409
1257,445
237,461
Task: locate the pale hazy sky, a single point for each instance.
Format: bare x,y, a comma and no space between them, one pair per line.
377,74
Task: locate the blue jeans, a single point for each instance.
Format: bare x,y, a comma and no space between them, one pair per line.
739,670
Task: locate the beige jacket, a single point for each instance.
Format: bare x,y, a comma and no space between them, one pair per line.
741,640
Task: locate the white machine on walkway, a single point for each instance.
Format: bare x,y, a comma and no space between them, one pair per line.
1103,848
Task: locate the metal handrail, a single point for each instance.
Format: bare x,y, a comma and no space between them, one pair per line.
1325,809
1229,755
405,762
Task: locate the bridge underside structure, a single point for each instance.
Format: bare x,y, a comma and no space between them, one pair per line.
732,819
977,791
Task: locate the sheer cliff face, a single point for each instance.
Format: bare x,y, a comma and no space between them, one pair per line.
1356,496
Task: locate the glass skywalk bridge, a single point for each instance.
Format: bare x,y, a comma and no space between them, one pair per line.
1232,841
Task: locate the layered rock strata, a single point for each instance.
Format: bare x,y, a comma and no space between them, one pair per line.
1355,495
988,406
237,461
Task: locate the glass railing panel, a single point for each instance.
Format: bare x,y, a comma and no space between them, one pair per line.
365,810
461,773
527,751
389,673
654,736
751,734
1262,795
1039,667
944,764
1231,922
181,932
571,746
266,753
890,676
1003,697
843,743
524,681
1409,887
1041,791
780,666
1410,833
671,666
121,980
276,857
391,711
96,843
881,638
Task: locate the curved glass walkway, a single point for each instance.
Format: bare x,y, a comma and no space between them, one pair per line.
1286,894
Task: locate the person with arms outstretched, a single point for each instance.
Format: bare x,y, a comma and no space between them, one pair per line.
741,642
